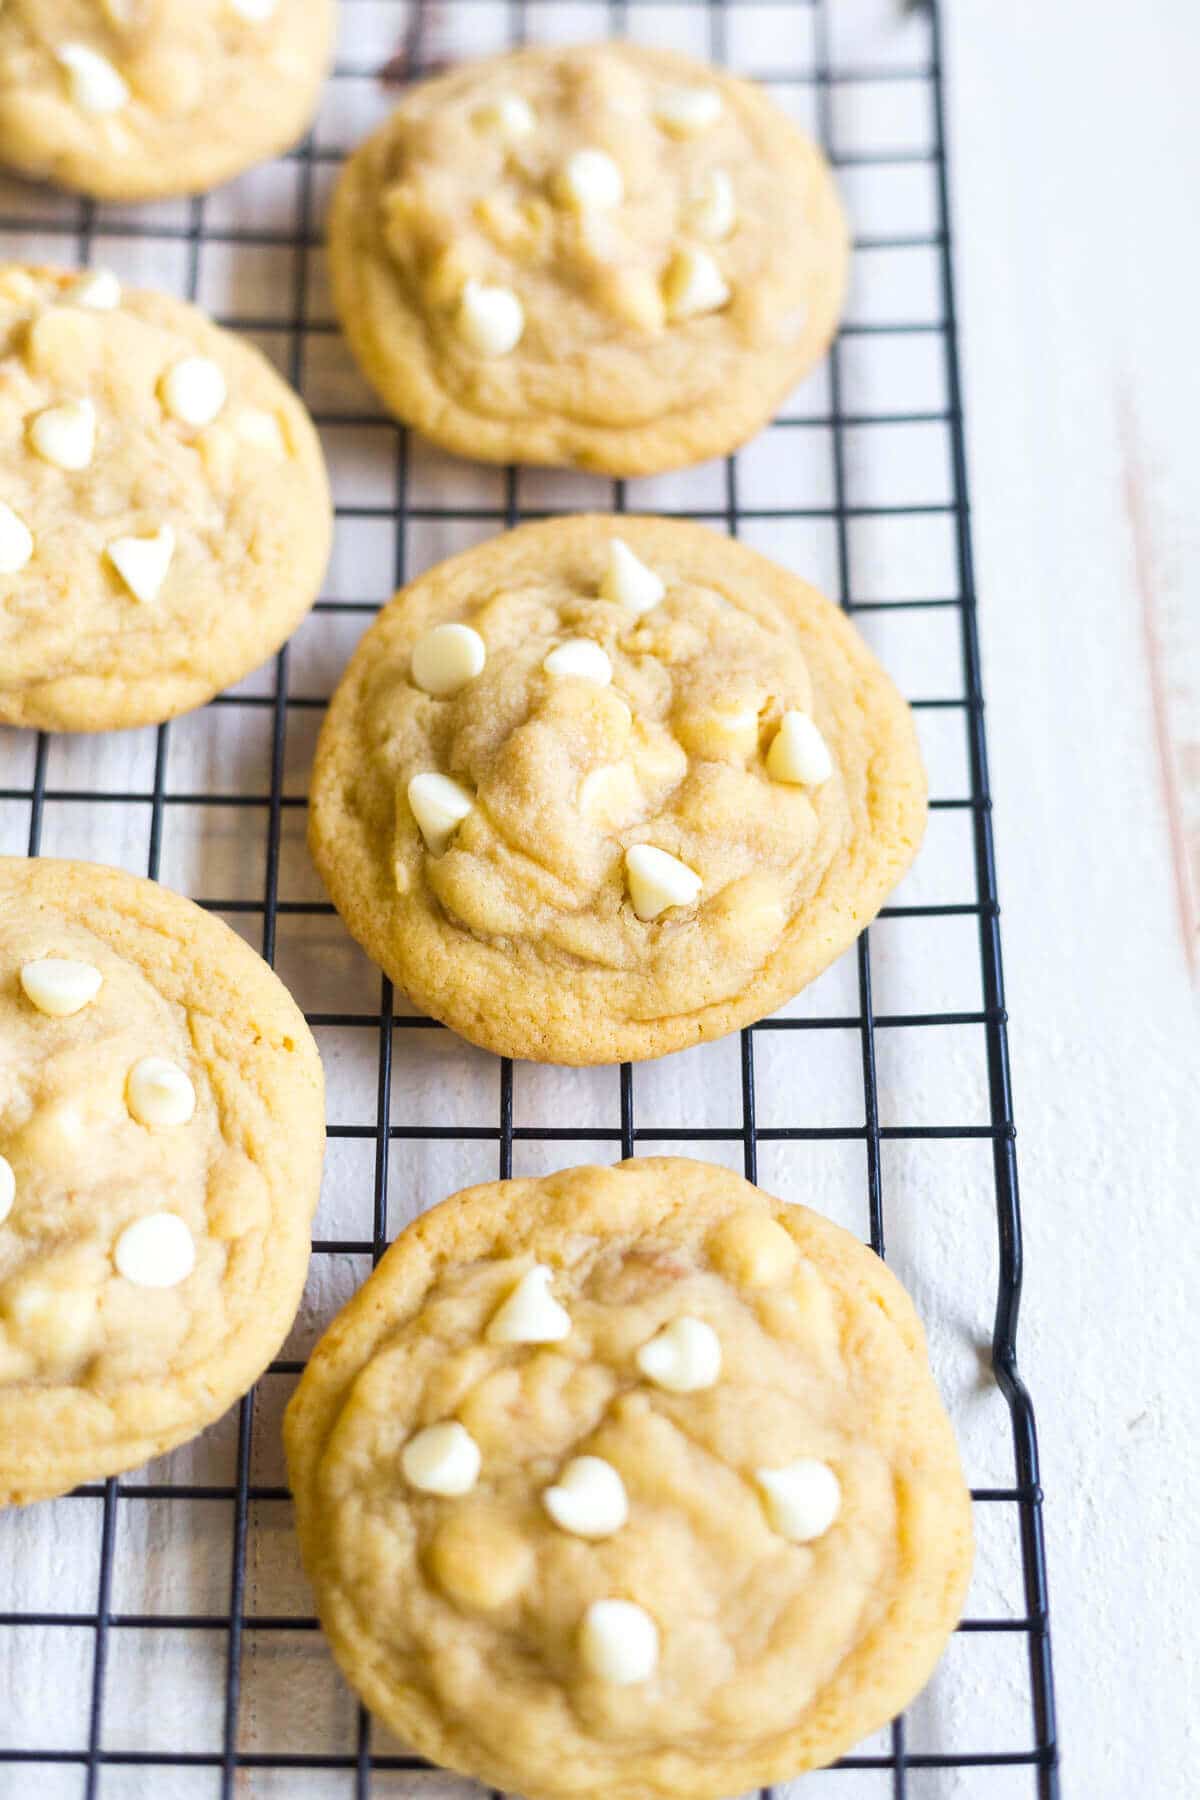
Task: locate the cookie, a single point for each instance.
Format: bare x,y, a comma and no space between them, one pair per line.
160,1156
590,797
629,1481
165,517
612,257
139,99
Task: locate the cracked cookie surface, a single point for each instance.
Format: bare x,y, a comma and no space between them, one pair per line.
161,1137
611,256
553,1554
141,99
166,516
588,798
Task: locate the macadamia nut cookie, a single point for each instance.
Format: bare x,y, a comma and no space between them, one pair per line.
161,1136
164,512
629,1481
610,256
139,99
606,787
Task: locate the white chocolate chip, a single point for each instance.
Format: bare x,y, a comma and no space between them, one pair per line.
683,1358
802,1499
589,178
65,435
531,1314
159,1092
442,1459
58,986
618,1642
588,1499
439,806
193,390
156,1252
490,319
633,296
687,110
611,796
16,541
262,429
738,726
509,116
711,211
142,562
657,880
57,1322
19,287
729,730
480,1558
446,657
96,85
798,752
658,756
752,1249
8,1188
97,288
627,581
582,658
255,12
693,285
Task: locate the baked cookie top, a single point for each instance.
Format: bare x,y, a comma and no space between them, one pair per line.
605,787
161,1135
609,256
164,513
137,99
629,1481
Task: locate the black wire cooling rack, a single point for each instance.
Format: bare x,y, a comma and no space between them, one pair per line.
837,75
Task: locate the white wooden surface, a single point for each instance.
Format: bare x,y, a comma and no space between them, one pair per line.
1076,142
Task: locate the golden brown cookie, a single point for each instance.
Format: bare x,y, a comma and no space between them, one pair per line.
138,99
608,256
589,797
629,1481
161,1135
164,512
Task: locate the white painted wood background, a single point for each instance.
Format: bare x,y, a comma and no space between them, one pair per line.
1076,158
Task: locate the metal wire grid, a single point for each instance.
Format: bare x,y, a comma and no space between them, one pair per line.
1032,1769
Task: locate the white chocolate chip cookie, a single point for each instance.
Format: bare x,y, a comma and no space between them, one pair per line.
161,1134
610,256
544,1568
589,798
166,515
139,99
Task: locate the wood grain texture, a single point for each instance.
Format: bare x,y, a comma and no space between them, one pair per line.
1075,140
1170,639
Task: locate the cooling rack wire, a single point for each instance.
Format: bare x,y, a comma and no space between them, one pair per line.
156,1641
